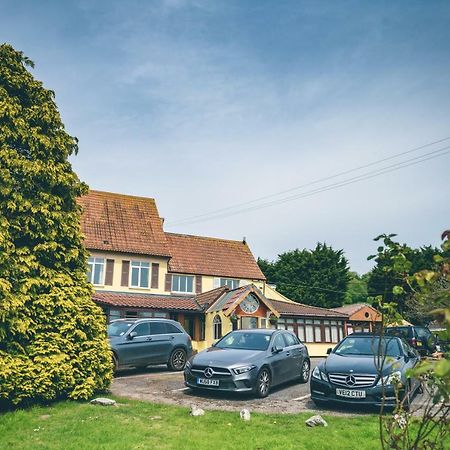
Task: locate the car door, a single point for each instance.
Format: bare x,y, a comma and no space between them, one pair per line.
279,360
162,342
295,355
136,346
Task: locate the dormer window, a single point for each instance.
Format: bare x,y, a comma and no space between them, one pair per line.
183,284
140,274
96,271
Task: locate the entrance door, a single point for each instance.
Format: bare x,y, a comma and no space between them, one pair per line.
249,323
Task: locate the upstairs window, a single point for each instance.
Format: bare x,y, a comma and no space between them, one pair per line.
229,282
140,274
96,271
183,283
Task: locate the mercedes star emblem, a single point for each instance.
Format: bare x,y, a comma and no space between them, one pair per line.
350,380
208,372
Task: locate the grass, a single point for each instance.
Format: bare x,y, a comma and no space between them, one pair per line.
72,425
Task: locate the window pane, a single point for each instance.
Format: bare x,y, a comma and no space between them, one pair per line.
134,276
334,333
89,273
142,329
327,334
175,280
309,333
301,333
189,284
158,328
98,273
144,277
317,334
114,314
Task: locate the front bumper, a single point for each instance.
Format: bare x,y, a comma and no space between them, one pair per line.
244,382
324,391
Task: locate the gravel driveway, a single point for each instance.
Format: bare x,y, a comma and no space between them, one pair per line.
159,385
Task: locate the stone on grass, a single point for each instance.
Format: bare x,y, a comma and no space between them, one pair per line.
316,421
156,418
245,414
103,401
196,411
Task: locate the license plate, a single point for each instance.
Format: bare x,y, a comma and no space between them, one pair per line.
350,393
207,382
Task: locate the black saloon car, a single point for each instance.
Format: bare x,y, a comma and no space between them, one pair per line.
249,361
350,373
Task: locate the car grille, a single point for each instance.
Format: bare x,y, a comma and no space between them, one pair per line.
217,371
352,380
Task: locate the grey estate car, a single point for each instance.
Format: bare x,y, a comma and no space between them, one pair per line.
249,361
141,342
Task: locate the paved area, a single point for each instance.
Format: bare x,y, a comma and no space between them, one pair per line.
158,384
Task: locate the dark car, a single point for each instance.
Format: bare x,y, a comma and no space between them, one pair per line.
249,361
361,368
142,342
421,338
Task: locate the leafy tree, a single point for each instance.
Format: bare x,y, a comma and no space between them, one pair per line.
356,289
52,335
316,277
395,262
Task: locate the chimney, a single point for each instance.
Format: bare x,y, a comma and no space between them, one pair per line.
244,240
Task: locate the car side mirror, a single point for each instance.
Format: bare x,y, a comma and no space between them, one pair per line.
277,349
132,335
329,350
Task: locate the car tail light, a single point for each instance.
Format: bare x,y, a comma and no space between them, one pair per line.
413,341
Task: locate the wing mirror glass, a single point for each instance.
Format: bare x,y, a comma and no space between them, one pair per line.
329,350
132,335
277,349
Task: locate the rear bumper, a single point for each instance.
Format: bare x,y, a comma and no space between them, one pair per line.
323,391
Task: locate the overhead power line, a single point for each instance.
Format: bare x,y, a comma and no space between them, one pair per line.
368,175
212,214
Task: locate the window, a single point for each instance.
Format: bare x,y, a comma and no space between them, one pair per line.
279,341
217,324
182,283
96,270
114,314
158,328
130,314
230,282
139,274
172,328
142,329
290,339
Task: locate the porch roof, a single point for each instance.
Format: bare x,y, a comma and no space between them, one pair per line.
299,309
133,300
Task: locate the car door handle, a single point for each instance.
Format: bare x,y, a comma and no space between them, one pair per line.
288,354
149,339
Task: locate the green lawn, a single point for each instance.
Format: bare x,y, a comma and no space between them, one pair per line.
71,425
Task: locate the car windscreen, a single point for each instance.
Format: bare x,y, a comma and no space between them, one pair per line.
245,341
403,332
369,345
118,328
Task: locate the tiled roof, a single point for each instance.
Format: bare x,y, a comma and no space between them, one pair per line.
210,256
132,300
208,298
122,223
351,309
298,309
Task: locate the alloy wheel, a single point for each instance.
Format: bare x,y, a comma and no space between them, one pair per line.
178,359
305,372
263,383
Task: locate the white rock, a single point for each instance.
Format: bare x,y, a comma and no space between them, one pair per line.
196,411
245,414
103,401
316,421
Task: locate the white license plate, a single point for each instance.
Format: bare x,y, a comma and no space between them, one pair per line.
350,393
207,382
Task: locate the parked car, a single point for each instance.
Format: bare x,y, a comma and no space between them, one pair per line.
142,342
421,338
249,361
351,373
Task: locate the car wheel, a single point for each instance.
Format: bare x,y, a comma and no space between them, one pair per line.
304,375
263,382
115,362
177,360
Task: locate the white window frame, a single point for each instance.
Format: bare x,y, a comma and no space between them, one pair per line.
93,262
217,327
179,277
139,265
227,281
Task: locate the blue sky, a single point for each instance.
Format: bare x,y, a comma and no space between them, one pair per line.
205,104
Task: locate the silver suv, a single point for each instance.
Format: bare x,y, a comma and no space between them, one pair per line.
141,342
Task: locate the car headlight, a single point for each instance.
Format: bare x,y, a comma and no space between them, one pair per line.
317,373
392,378
243,369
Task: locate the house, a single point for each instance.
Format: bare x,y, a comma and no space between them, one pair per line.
210,285
361,317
